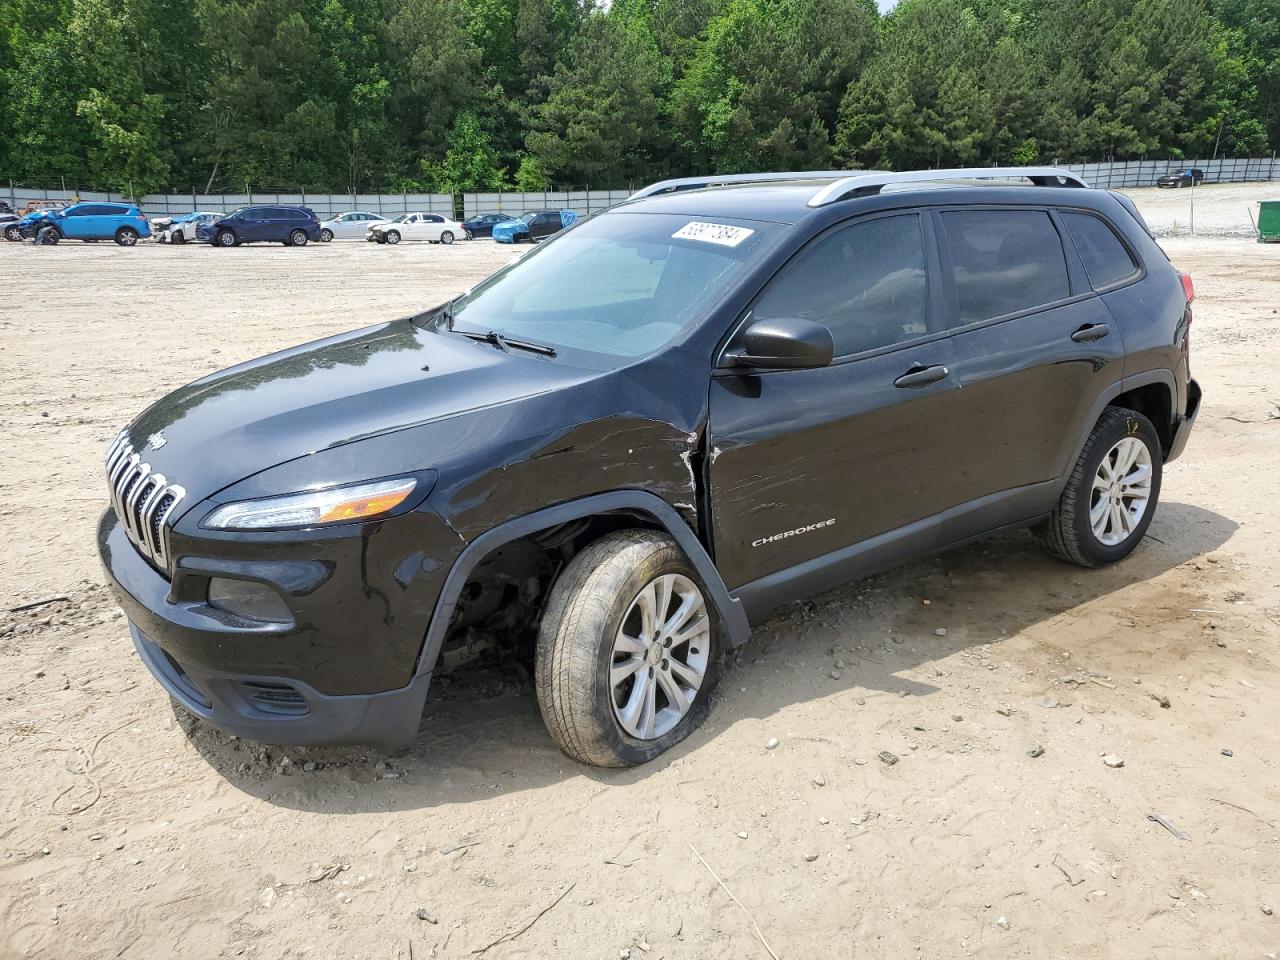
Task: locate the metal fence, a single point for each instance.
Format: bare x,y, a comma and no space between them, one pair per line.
1144,173
324,204
582,202
1126,173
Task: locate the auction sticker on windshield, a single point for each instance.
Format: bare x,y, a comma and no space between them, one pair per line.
717,233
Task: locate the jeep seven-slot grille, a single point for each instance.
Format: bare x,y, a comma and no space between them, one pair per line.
143,501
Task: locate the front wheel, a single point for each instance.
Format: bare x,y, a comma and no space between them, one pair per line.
13,234
225,238
446,237
326,236
47,237
1111,495
392,237
126,236
178,238
627,651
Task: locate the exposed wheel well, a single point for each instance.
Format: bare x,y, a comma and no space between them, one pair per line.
502,600
1154,402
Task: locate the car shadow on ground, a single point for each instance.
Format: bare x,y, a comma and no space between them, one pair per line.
482,736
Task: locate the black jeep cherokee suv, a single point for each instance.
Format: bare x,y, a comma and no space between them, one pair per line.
618,451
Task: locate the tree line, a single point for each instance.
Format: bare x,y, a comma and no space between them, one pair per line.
450,95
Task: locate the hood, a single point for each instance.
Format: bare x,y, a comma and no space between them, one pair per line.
248,418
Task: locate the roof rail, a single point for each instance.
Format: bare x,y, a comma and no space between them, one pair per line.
725,179
870,183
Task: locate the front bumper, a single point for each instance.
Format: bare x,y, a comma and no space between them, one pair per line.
1182,426
279,710
344,670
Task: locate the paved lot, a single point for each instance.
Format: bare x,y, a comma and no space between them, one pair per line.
129,832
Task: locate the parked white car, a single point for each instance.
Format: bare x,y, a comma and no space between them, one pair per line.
352,225
416,226
182,229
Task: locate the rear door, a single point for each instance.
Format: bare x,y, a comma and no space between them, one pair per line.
805,463
1033,348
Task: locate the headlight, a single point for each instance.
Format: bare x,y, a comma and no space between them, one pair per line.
366,501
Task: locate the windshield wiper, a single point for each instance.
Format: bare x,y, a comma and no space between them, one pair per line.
503,342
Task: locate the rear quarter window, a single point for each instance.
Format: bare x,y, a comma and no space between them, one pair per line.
1004,261
1105,258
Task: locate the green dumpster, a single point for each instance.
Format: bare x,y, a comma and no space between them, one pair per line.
1269,221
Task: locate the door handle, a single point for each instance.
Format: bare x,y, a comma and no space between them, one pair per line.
921,376
1090,332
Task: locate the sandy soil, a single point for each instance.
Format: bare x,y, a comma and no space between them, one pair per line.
1210,210
127,831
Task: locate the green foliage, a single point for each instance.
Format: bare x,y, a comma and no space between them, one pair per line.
531,177
453,94
597,123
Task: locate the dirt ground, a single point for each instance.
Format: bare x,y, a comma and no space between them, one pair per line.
127,831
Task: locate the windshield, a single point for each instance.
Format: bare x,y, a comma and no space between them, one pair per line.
401,219
527,217
619,285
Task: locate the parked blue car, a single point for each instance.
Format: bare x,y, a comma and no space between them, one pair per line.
292,226
121,222
533,226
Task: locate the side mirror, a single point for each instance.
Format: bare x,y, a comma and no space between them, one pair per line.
784,343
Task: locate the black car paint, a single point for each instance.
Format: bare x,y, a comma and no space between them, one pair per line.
506,440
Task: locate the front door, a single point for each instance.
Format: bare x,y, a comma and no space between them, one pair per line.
805,463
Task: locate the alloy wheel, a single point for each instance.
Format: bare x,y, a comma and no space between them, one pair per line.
1121,491
660,656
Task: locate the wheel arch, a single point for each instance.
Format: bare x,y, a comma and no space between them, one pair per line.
731,615
1142,388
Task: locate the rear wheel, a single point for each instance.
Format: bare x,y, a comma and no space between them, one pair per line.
1111,495
446,237
468,235
126,236
298,238
225,238
627,654
393,237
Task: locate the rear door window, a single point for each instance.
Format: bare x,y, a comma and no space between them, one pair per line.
1106,259
865,282
1004,261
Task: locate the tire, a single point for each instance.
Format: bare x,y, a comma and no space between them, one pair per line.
592,616
47,237
393,237
13,234
468,235
178,238
126,236
447,237
298,238
226,238
380,238
1071,532
326,236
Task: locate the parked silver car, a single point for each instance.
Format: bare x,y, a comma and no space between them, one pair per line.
352,225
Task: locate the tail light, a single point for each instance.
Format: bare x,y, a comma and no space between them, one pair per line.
1189,289
142,216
